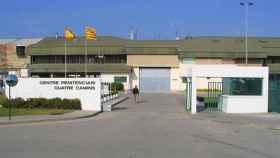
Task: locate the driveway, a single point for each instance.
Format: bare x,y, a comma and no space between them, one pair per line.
154,102
156,127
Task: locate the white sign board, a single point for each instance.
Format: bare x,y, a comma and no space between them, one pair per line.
88,90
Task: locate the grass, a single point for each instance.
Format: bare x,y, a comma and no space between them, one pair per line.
206,90
20,112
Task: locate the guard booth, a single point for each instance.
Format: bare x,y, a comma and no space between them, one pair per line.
244,89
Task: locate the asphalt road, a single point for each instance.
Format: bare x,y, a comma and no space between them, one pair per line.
156,127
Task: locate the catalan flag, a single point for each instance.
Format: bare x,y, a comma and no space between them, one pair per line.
90,33
69,34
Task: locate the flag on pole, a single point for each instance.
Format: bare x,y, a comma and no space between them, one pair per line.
69,34
90,33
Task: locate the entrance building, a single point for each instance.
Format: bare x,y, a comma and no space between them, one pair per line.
245,89
154,65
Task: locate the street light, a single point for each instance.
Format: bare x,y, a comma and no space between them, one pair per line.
246,5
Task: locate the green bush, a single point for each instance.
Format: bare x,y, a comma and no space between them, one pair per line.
54,103
206,90
117,87
18,103
3,100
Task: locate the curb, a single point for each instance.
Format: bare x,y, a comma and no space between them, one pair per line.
120,101
61,119
51,120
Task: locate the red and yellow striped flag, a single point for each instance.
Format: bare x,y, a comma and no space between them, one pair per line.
90,33
69,34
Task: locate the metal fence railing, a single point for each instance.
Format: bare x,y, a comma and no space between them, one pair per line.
215,91
188,96
107,94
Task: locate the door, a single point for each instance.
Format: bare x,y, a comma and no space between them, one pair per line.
274,93
155,80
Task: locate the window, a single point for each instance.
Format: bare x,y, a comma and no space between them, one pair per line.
52,59
184,79
115,59
20,50
120,79
189,61
1,83
60,59
243,86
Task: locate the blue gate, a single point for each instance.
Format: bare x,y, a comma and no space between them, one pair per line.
154,80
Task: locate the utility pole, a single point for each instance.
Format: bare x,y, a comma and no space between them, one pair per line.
246,5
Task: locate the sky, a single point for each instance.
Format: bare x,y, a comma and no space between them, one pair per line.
153,19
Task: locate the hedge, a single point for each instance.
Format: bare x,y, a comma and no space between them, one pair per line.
116,87
55,103
3,100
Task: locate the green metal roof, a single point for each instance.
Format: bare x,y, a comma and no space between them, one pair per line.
219,54
224,47
53,46
59,68
76,50
230,47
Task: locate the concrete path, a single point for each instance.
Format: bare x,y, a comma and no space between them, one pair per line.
269,121
156,127
159,103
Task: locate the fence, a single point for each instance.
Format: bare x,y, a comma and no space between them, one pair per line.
107,95
188,96
215,90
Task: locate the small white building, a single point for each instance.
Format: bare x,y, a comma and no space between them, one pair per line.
245,89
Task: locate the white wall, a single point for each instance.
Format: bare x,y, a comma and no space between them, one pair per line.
226,71
106,77
135,77
38,87
244,104
202,83
176,82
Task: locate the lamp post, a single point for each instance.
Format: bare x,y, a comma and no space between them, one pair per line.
246,5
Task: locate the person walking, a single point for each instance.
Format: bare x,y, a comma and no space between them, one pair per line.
135,92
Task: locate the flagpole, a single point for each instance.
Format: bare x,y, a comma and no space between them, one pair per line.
65,58
86,57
